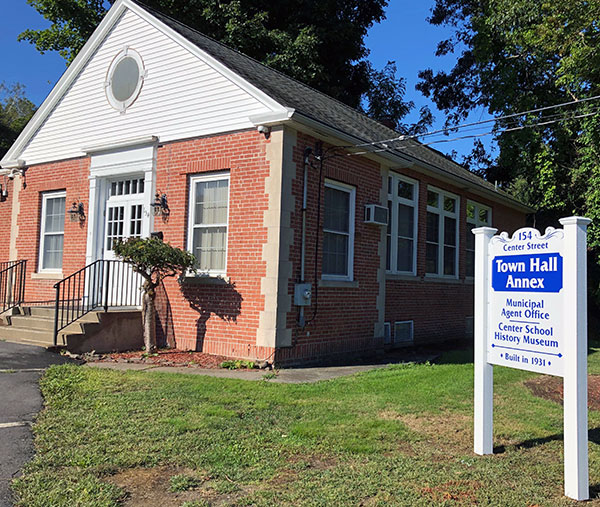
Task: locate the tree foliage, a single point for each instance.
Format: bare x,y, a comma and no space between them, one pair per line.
320,43
154,260
518,55
15,111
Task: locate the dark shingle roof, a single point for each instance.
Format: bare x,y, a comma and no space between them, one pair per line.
316,105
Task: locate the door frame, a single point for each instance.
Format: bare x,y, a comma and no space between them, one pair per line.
117,162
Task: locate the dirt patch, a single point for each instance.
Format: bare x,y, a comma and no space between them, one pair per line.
461,492
164,357
551,388
448,433
151,486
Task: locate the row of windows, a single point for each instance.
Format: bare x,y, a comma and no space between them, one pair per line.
209,217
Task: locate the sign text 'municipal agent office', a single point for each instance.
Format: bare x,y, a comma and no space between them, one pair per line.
531,314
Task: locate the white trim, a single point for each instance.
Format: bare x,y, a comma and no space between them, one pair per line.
414,203
337,185
138,141
442,213
412,332
46,196
216,176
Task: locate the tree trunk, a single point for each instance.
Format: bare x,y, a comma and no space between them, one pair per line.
148,316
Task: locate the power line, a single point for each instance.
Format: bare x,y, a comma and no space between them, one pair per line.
473,136
405,137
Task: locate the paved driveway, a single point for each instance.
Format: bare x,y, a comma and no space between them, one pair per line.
21,367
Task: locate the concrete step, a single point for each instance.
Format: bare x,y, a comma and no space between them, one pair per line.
28,336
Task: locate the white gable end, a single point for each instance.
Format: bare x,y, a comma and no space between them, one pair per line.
184,94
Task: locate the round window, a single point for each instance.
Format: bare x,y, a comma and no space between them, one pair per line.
124,80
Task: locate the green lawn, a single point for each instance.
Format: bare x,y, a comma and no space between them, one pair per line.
398,435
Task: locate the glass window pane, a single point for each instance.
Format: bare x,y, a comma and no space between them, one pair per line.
432,198
433,227
470,237
449,204
335,254
389,184
405,190
405,221
450,231
211,202
55,214
449,260
53,251
483,215
337,210
405,254
209,247
431,258
470,210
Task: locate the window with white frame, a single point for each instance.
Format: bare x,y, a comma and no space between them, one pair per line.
338,231
402,224
208,221
478,215
441,254
52,231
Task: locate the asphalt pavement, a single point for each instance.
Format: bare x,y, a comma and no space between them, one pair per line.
21,367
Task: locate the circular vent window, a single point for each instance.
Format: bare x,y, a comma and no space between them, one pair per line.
125,79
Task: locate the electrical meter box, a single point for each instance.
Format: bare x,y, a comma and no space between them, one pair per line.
302,294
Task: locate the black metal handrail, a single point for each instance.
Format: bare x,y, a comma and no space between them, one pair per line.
12,284
101,284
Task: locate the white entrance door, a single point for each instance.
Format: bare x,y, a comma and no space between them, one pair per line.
124,218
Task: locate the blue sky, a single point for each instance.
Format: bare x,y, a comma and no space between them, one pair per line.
405,37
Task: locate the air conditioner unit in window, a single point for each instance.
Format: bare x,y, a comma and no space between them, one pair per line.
375,214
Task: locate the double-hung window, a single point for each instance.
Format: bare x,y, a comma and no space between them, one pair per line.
402,224
52,231
478,215
338,231
208,222
441,253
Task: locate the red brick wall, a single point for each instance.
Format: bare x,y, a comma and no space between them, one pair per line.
439,308
219,318
5,218
72,176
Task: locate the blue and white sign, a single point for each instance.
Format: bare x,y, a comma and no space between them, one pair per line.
525,295
530,313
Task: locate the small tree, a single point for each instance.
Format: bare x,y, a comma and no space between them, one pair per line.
154,260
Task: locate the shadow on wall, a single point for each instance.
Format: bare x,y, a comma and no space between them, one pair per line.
219,298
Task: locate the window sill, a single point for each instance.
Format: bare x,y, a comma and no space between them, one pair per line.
203,279
47,276
403,277
443,279
347,284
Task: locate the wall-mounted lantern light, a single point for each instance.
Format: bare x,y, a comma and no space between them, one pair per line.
160,206
76,213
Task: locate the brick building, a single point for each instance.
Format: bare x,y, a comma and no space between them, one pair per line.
267,181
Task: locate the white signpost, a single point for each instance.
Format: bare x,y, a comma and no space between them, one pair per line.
531,314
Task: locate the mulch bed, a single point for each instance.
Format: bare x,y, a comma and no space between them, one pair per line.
551,388
164,357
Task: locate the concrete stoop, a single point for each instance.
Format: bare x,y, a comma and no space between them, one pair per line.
112,331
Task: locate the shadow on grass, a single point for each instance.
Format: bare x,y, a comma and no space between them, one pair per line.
593,436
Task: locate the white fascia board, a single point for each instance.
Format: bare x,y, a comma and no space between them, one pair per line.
212,62
111,17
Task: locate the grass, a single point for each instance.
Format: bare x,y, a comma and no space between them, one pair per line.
398,435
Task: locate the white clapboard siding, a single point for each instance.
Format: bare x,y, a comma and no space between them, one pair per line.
182,97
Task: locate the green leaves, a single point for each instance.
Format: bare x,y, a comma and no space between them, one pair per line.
154,259
15,112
